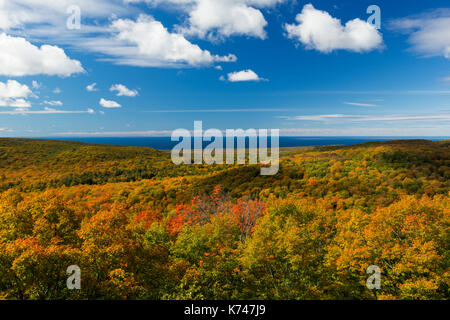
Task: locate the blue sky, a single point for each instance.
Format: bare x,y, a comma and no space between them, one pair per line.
308,68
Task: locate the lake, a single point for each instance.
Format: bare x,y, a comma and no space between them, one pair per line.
165,143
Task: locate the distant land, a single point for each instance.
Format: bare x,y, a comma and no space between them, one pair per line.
165,143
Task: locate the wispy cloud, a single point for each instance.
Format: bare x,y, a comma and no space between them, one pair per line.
150,133
428,32
432,131
363,118
45,111
219,110
443,131
368,92
359,104
35,84
53,103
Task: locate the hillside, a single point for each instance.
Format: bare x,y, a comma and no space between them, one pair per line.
141,227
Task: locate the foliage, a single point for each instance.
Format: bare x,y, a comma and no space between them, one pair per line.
140,227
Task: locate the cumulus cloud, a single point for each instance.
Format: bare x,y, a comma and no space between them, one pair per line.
17,103
123,90
13,89
222,18
225,18
429,34
153,45
18,57
318,30
146,42
244,75
92,87
14,94
109,103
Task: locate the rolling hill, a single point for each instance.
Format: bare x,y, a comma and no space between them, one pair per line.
141,227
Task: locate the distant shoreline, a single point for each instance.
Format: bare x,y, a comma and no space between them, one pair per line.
165,143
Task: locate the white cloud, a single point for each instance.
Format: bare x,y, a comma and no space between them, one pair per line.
14,94
227,58
18,57
17,103
57,90
375,92
222,18
296,132
53,103
247,110
245,75
225,18
445,80
20,111
92,87
13,89
367,132
144,42
429,34
18,13
147,43
359,104
318,30
109,103
123,90
370,118
35,84
151,133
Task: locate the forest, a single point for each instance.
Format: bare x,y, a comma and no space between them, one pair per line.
140,227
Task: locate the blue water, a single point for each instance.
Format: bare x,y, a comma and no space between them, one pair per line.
164,143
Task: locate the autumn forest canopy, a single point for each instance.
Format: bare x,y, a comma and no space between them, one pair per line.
141,227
